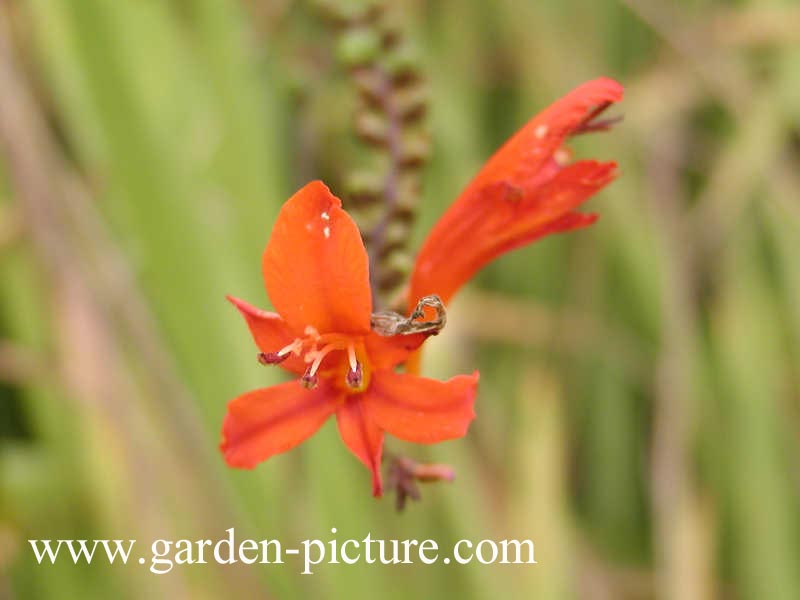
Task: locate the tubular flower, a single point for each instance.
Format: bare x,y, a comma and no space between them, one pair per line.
528,189
315,269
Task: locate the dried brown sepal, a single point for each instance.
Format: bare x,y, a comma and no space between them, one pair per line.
388,323
405,474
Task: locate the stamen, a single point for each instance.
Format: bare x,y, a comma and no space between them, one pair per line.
355,376
276,358
309,380
296,346
315,356
351,356
272,358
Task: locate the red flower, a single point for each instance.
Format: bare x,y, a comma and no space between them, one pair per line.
524,192
316,275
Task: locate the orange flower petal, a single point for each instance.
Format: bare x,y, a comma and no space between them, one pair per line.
480,236
388,352
421,410
315,266
522,193
270,332
362,437
529,152
534,215
269,421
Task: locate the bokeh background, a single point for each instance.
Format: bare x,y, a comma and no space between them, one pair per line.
639,408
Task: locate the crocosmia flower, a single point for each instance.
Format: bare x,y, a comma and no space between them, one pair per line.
315,269
324,331
526,190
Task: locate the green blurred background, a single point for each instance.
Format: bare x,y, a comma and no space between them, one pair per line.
640,384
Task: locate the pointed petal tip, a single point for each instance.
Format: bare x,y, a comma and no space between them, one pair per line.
377,486
234,463
312,194
319,187
241,304
233,300
363,438
231,458
593,173
611,88
589,218
605,172
249,311
602,89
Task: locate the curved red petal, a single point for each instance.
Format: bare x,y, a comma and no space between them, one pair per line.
269,421
362,437
421,410
315,266
522,158
508,222
270,332
516,196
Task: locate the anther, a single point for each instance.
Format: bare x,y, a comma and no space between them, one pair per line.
355,377
272,358
309,380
